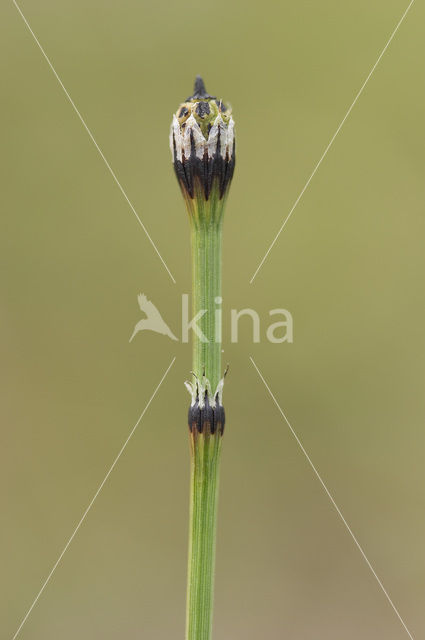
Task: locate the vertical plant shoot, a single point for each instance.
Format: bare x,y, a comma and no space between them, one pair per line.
203,150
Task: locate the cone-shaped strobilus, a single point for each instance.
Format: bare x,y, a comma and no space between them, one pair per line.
202,144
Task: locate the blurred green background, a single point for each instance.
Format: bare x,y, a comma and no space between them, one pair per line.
349,266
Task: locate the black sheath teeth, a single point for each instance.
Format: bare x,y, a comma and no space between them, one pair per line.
208,419
207,171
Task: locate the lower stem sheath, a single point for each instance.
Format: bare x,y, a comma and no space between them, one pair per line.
206,422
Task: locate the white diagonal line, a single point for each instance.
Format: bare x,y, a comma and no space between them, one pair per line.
331,498
331,142
94,142
47,580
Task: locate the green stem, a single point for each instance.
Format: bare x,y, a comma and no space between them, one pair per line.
206,291
205,447
203,517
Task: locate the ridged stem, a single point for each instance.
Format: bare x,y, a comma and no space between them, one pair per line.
206,295
205,447
205,461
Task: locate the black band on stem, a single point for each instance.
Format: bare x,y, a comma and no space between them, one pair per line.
208,419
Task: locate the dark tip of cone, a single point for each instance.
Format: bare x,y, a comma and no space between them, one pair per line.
199,88
199,91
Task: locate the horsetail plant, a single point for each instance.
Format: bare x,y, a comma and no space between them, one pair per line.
203,149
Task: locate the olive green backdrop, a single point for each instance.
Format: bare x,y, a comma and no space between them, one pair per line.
348,266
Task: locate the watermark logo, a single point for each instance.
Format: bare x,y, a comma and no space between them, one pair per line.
153,320
279,331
